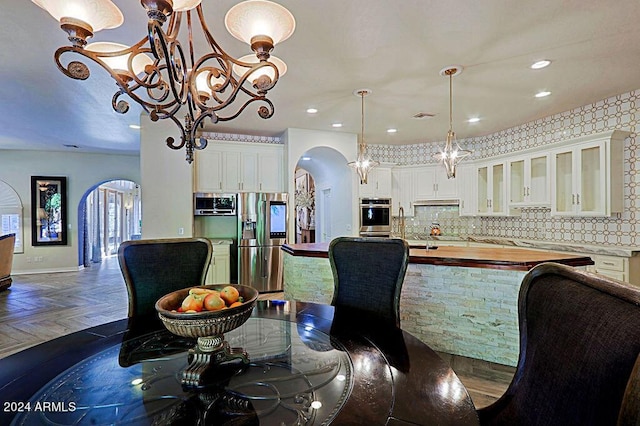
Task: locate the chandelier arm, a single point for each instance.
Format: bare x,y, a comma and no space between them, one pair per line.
264,111
170,51
207,34
171,142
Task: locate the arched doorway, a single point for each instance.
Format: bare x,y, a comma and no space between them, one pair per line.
108,214
332,196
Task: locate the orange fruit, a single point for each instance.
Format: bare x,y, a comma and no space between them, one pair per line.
229,294
213,302
234,304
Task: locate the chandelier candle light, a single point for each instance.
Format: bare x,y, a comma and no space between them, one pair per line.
164,77
363,163
452,154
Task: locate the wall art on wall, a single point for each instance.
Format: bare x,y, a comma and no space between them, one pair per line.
48,210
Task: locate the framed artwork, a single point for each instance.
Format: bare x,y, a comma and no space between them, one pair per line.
48,210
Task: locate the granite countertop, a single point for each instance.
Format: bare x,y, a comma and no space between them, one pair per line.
620,251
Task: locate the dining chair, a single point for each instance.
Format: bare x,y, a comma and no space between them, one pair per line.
579,344
153,268
368,274
7,246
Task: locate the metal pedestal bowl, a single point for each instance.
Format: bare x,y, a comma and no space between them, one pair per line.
209,328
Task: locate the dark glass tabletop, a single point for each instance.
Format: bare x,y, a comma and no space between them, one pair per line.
309,365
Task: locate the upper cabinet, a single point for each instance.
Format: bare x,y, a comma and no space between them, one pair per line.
491,189
378,184
245,167
467,190
588,176
402,191
529,178
431,183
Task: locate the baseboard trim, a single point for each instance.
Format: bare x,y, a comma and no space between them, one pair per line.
47,271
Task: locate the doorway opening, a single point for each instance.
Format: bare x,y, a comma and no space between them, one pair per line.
305,207
109,213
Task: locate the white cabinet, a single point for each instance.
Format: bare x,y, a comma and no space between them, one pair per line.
208,170
491,189
244,167
402,191
529,181
378,184
431,183
270,171
467,190
588,177
220,266
240,171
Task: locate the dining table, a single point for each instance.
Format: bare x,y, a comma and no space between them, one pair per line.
309,364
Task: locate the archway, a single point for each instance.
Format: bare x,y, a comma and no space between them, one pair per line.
109,213
333,195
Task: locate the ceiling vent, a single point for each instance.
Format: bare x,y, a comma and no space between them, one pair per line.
424,115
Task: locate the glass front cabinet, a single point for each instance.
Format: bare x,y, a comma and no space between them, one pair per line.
588,178
491,184
529,181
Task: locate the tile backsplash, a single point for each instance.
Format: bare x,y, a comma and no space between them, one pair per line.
618,112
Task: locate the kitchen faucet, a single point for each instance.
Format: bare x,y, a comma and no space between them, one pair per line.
402,224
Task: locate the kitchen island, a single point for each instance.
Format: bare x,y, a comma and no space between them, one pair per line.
459,300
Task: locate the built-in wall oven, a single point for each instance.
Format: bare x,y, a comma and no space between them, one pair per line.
375,217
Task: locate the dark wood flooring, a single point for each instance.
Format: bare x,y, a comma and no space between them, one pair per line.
41,307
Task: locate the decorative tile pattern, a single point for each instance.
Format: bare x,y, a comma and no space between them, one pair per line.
617,112
232,137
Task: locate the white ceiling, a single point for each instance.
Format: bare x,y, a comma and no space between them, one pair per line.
395,48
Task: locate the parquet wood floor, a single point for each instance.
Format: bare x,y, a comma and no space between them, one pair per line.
41,307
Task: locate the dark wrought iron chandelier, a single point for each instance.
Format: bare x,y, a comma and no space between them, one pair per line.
165,78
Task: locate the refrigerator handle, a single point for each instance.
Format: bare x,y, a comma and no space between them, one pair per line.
265,269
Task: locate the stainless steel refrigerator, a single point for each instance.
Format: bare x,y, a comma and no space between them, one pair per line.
262,229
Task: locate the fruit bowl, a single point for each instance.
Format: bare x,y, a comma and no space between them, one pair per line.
209,328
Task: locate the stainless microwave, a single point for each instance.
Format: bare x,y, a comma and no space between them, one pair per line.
211,204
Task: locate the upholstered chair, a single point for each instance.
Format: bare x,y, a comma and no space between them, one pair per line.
7,245
153,268
368,274
579,342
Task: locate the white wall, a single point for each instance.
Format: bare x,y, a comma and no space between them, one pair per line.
167,182
82,171
333,173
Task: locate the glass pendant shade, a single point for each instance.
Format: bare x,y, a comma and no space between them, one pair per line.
252,18
120,63
100,14
184,5
266,70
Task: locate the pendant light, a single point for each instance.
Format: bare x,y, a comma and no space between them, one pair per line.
363,163
452,154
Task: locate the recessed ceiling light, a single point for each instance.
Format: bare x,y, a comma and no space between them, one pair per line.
336,125
392,130
134,126
542,94
305,158
312,110
540,64
473,120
